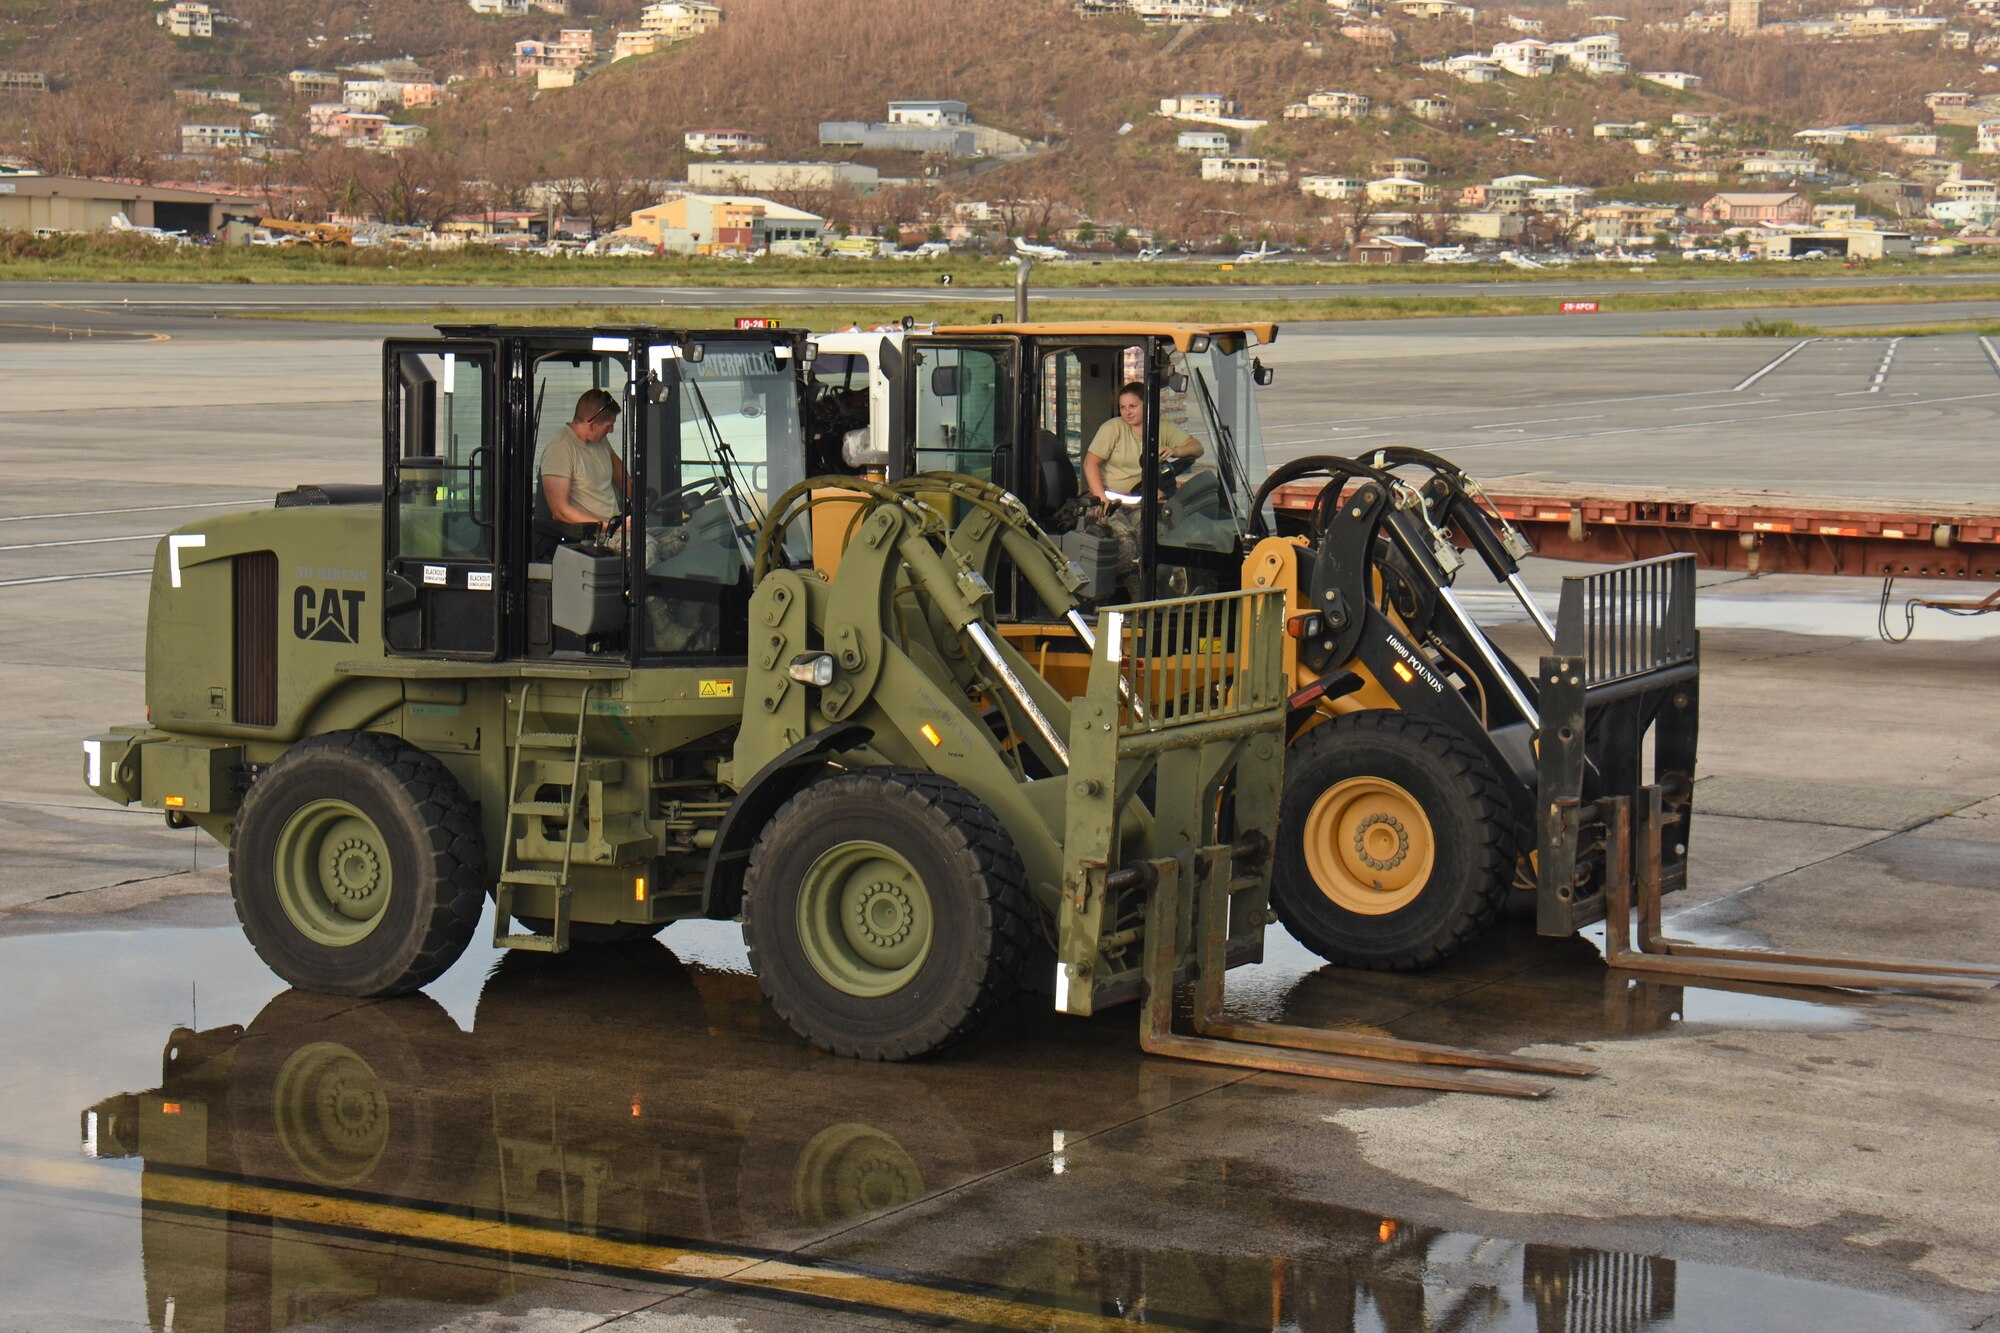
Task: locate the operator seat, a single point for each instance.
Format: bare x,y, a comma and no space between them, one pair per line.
1055,476
545,532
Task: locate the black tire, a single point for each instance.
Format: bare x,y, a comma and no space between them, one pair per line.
1410,782
338,1094
409,816
974,919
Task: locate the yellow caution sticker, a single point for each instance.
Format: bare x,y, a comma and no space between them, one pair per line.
718,689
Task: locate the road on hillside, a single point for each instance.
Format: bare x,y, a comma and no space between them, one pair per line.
1585,283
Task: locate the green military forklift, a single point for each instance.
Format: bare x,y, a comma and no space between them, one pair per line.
396,703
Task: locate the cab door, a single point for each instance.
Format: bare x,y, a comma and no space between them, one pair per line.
961,403
441,418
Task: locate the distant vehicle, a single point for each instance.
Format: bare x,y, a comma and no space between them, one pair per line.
617,245
1519,260
314,235
1045,252
855,247
1448,254
124,225
928,250
1148,253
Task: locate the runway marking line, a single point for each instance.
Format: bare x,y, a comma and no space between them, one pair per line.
71,578
1725,421
84,541
1537,421
134,509
1986,346
126,335
784,1276
1783,357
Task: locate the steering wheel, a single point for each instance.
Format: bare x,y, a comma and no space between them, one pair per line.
699,492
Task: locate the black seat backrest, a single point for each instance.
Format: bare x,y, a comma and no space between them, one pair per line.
1055,475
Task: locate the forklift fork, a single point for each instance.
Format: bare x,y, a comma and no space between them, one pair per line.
1279,1048
1633,827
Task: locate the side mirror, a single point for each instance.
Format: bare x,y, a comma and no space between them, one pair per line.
1261,374
1178,381
944,381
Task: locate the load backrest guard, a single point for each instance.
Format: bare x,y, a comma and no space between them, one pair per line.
1189,693
1626,662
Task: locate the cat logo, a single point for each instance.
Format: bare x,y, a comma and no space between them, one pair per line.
328,615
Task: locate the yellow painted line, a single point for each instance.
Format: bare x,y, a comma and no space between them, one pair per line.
667,1261
240,1201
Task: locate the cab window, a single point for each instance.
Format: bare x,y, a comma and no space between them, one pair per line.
961,411
440,484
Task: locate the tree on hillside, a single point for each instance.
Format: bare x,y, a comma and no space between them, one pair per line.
73,134
417,187
330,179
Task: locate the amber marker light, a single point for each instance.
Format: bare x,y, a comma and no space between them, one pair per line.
1387,1231
639,889
170,1108
931,734
1404,672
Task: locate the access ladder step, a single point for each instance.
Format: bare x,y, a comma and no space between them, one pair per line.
532,943
546,740
557,808
547,878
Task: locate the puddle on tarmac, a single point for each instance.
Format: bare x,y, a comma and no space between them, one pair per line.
623,1115
629,1113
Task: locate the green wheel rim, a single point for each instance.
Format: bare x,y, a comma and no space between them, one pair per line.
330,1114
864,919
852,1170
333,873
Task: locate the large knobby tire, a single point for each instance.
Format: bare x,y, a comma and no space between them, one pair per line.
1394,838
338,1094
357,866
886,913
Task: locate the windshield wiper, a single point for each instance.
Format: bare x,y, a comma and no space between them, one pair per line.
723,460
1225,445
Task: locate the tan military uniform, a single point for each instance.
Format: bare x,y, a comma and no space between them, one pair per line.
592,470
1119,446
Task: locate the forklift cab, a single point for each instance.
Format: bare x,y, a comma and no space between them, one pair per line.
476,567
1020,406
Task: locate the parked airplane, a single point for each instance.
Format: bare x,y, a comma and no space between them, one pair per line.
1447,254
119,222
1262,253
1045,252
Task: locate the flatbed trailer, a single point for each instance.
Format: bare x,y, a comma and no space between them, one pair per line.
1758,532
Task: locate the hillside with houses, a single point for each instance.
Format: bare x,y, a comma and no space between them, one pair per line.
1301,121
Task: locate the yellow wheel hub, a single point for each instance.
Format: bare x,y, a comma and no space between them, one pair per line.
1369,846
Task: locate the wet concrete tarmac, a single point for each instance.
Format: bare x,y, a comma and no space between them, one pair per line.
628,1133
471,1160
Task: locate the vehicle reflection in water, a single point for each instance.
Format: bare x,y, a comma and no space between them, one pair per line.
616,1113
